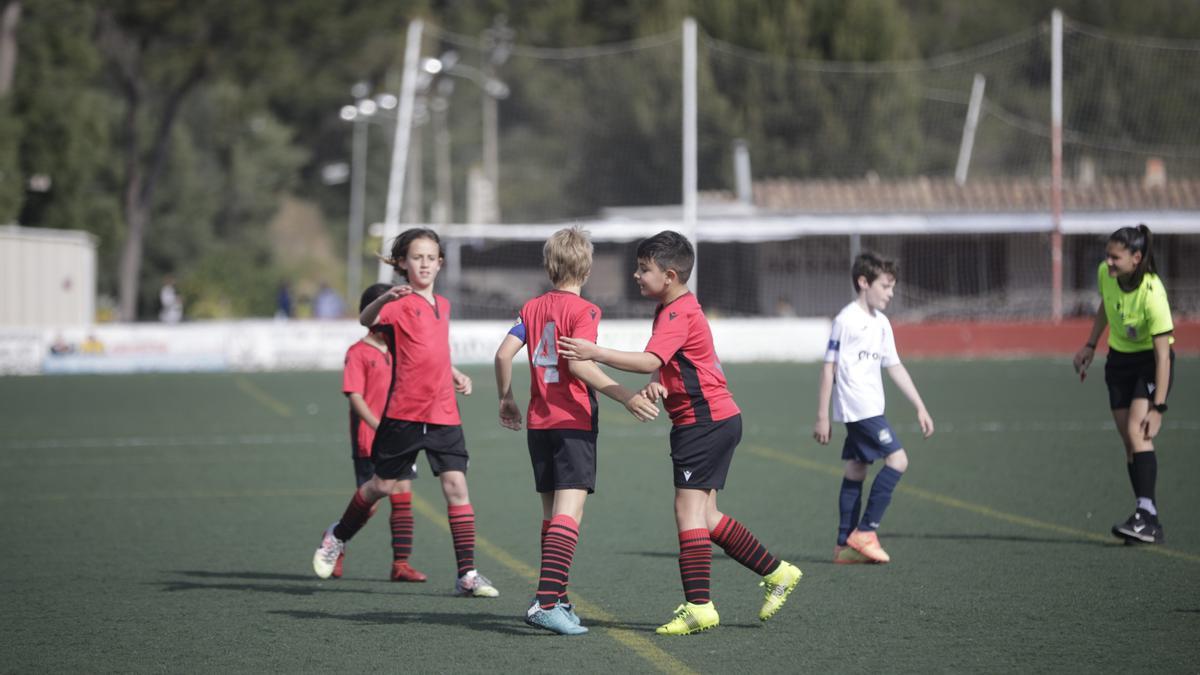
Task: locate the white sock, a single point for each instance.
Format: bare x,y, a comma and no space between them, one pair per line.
1146,504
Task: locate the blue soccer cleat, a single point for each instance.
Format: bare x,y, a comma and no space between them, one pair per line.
555,620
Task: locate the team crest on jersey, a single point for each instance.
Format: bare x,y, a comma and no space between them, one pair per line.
592,312
671,316
885,436
1131,332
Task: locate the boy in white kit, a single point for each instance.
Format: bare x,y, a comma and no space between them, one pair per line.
860,344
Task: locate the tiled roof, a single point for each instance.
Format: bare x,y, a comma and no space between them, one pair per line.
985,195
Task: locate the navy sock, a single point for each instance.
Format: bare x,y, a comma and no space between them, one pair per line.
849,505
881,495
1145,474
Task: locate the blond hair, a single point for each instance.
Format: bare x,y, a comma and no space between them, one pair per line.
567,256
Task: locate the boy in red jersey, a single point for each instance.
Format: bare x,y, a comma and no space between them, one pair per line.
563,416
707,427
421,411
366,379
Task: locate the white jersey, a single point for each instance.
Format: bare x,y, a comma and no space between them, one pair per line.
860,345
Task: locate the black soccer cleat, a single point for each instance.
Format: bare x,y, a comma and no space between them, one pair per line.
1140,528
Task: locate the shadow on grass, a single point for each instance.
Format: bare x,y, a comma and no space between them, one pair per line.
308,584
983,536
719,556
490,623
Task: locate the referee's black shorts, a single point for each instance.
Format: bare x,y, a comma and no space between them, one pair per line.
1131,375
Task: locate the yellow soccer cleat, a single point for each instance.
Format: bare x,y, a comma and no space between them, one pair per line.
690,619
779,585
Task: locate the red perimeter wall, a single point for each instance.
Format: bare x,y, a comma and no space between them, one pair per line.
1013,339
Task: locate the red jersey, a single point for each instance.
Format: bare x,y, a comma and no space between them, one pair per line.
557,399
418,336
368,372
691,372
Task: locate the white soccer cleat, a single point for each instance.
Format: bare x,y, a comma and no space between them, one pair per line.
327,553
475,585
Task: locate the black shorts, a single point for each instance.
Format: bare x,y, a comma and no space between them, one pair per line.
1130,375
563,459
364,468
397,443
701,452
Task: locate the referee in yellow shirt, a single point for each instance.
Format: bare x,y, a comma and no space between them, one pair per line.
1134,308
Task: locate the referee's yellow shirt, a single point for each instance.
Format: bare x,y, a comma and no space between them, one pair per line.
1134,318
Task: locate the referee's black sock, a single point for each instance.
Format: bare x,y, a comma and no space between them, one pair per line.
1145,475
1132,476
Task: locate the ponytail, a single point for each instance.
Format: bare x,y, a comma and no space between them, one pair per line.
1137,240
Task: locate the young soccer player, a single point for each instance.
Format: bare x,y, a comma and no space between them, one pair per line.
860,345
421,412
707,426
563,416
1134,308
366,378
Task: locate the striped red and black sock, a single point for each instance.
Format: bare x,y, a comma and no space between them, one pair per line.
695,565
357,513
558,550
462,529
401,521
743,546
562,597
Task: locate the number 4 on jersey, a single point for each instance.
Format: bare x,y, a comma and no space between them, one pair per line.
545,354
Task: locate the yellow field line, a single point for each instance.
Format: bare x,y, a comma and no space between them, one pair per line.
634,641
253,391
963,505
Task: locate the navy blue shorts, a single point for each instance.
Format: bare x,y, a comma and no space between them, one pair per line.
563,459
870,439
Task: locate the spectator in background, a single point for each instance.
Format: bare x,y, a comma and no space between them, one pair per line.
283,302
170,302
328,304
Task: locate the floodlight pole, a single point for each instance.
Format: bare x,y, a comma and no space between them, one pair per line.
689,145
395,193
968,139
358,182
1056,177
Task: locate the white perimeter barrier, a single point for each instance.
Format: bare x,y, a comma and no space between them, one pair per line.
267,345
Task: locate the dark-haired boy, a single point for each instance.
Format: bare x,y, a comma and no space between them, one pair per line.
366,378
860,345
707,428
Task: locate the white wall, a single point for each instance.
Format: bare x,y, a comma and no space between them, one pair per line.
321,345
47,277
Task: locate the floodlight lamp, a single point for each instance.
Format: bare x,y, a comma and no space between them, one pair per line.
349,112
367,107
431,65
387,101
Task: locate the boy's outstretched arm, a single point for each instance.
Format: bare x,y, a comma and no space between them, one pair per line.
578,349
904,381
510,412
370,313
821,430
638,405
